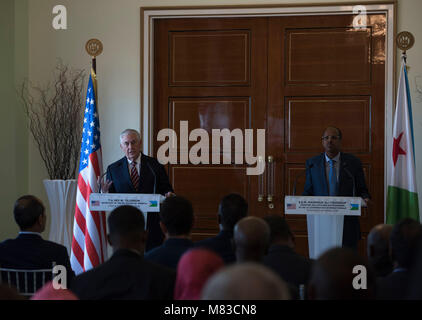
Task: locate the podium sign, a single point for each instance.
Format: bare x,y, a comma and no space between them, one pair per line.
109,201
344,206
325,219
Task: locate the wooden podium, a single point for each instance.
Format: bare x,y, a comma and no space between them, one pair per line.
325,216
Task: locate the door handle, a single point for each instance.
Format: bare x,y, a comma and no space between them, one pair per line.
270,181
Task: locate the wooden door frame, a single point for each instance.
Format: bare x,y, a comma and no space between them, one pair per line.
149,14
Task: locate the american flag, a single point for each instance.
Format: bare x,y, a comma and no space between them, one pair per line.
89,246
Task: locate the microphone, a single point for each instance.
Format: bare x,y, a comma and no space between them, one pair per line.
153,173
344,166
298,176
100,189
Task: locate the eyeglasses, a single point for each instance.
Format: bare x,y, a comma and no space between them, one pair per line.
325,138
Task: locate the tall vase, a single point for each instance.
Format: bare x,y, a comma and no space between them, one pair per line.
62,197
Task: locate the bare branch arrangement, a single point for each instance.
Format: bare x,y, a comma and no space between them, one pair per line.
55,115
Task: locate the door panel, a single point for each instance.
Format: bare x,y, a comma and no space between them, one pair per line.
213,74
292,76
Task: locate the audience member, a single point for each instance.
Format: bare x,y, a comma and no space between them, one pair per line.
251,239
415,276
245,281
126,275
403,240
378,247
176,217
29,250
231,209
48,292
334,276
282,258
193,271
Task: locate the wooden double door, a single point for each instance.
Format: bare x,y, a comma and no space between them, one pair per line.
292,76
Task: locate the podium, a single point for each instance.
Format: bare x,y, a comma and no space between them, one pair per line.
325,217
109,201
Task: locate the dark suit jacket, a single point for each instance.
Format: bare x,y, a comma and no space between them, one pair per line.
316,185
126,275
152,173
31,251
220,244
170,252
393,287
292,267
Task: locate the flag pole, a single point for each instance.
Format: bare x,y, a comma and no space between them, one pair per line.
89,245
94,48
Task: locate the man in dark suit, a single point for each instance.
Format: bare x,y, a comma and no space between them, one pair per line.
232,208
378,249
29,250
138,173
126,275
403,240
347,179
281,256
176,215
334,276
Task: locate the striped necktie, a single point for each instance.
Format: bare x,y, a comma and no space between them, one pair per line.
134,176
332,178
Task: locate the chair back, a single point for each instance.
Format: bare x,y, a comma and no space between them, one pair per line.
26,281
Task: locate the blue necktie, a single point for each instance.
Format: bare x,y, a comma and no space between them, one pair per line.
332,178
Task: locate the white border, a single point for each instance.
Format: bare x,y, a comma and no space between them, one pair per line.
150,14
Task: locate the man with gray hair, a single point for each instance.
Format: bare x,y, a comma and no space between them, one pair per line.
138,173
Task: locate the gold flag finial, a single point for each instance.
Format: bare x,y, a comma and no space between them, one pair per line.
405,40
94,47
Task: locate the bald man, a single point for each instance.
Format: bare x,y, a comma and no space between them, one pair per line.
251,239
378,249
245,281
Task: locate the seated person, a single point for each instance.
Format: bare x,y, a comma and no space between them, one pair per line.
231,209
176,221
245,281
403,241
281,257
126,275
194,269
29,250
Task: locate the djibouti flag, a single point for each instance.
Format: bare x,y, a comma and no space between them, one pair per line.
402,194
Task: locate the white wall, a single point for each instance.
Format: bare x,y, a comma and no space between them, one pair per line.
117,25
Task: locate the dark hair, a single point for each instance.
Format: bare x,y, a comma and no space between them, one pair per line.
279,229
27,210
177,215
340,134
232,208
125,221
403,239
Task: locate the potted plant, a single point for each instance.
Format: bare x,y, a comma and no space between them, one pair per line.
55,114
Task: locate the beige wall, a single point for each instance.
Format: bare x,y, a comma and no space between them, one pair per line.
13,132
117,25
